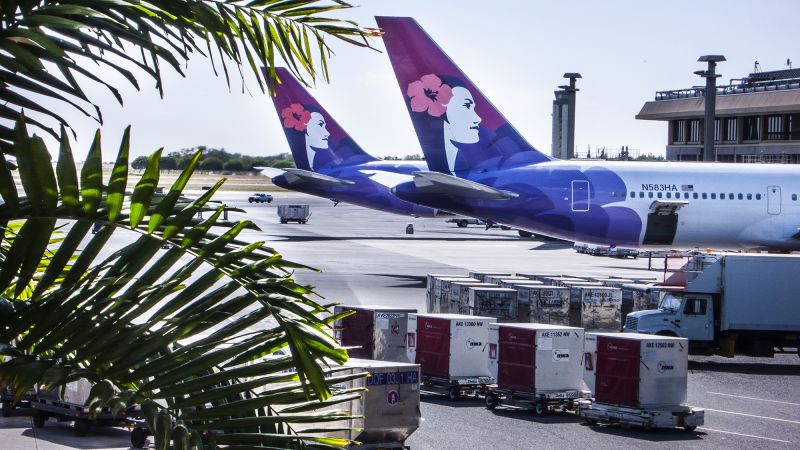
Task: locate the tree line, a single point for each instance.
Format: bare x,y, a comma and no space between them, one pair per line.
216,160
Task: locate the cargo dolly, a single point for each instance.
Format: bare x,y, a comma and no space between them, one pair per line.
456,388
649,418
46,406
540,402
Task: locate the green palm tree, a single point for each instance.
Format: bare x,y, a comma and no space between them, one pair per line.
191,332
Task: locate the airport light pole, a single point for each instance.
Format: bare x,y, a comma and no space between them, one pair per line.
571,90
711,76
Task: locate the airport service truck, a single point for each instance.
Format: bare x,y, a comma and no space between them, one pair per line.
731,303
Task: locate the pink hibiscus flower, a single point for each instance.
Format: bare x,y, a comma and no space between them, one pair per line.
429,94
295,116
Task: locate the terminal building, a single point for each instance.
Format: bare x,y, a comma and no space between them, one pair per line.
757,119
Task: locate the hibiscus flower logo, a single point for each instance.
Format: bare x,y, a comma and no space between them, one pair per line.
295,116
429,94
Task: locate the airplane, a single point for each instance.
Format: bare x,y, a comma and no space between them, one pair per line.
329,163
480,166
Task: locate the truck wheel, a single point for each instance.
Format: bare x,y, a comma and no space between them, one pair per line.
540,408
462,224
39,419
690,428
138,437
81,427
490,401
453,394
250,200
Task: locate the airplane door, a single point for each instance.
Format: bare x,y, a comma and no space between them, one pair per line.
774,199
580,195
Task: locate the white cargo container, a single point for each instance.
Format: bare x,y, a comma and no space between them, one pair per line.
536,365
482,275
451,351
496,302
294,213
459,295
543,304
373,332
639,379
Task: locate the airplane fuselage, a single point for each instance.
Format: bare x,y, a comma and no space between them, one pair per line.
641,204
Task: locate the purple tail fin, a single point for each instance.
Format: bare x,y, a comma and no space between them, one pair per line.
458,128
316,140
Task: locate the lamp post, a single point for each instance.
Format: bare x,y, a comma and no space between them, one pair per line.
711,103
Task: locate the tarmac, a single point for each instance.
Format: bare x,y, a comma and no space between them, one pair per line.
366,257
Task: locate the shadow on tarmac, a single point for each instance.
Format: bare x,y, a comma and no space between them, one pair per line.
406,281
746,368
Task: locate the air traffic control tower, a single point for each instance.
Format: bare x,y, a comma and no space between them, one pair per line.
757,119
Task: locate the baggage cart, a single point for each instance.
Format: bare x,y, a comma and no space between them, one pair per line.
649,418
536,366
294,213
373,332
451,352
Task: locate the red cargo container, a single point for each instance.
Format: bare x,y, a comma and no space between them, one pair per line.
433,346
618,371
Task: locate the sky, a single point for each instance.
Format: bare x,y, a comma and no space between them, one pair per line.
515,51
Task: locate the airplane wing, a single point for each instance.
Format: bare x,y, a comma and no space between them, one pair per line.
388,179
443,184
300,176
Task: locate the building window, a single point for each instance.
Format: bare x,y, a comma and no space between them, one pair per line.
751,128
717,129
678,131
775,128
694,131
793,127
730,129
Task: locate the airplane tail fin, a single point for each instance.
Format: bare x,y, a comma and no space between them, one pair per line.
457,126
315,138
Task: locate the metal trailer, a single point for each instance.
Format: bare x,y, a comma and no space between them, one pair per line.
373,332
536,366
72,408
451,352
649,418
638,379
496,302
294,213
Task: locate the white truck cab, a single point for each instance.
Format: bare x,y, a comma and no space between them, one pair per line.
688,315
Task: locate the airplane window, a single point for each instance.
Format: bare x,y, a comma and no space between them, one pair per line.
694,196
633,194
749,196
704,196
722,196
650,195
794,197
741,197
641,194
659,195
686,195
669,194
730,196
713,196
758,196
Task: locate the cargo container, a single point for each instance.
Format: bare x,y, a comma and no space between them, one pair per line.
373,332
600,307
294,213
496,302
386,413
558,281
446,302
482,275
509,283
451,352
539,276
536,366
435,291
638,379
543,304
429,287
495,279
459,295
731,303
614,282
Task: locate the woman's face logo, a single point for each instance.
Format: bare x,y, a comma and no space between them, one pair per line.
316,132
462,120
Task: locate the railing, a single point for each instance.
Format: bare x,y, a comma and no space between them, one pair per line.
738,88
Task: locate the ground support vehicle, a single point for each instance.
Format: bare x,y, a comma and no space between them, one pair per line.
456,388
260,198
10,401
540,402
294,213
649,418
47,406
730,303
